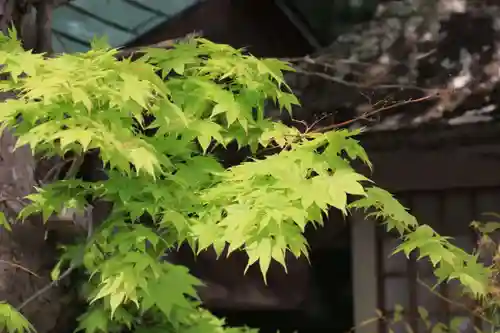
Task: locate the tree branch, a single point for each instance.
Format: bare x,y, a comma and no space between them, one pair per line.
376,111
40,292
165,44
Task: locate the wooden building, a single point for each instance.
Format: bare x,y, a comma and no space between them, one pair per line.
440,156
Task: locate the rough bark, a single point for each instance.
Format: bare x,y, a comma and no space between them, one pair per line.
26,259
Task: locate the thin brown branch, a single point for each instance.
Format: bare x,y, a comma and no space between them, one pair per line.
367,322
374,112
327,61
53,172
452,302
19,266
352,84
165,44
302,123
75,167
310,129
324,59
64,274
317,121
40,292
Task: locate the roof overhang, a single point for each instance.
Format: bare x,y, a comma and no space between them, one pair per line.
77,23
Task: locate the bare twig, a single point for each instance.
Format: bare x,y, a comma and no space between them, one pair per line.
75,167
40,292
367,322
310,128
66,273
53,172
326,60
374,112
346,83
317,121
302,123
19,266
323,59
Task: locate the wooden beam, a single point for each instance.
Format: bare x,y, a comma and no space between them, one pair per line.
437,169
364,273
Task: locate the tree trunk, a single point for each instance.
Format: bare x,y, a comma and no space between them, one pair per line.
26,259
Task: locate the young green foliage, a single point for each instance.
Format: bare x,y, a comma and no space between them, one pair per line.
208,95
429,324
12,321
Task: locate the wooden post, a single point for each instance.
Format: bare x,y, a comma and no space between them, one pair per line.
364,266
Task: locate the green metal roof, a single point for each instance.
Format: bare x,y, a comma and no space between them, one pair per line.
77,23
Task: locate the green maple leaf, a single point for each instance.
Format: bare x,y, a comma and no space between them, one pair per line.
13,321
80,96
176,219
298,215
177,59
99,43
348,181
207,131
216,97
205,234
260,251
137,90
82,136
264,250
287,101
338,198
116,298
387,205
477,287
486,228
171,289
274,68
199,171
226,103
93,321
4,222
417,239
457,322
278,251
144,159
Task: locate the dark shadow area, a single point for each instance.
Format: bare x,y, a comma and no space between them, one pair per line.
329,307
266,321
332,306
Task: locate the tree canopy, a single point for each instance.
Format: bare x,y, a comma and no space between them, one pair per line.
155,122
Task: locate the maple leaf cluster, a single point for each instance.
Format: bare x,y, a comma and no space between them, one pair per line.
207,95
